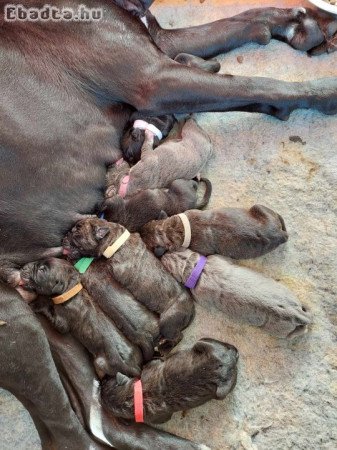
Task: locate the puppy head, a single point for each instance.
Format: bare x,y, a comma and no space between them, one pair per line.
162,235
89,237
114,209
48,277
220,360
132,143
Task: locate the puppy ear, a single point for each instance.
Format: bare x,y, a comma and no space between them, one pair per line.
162,215
100,232
122,379
202,347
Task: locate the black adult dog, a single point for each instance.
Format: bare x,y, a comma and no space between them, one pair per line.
59,131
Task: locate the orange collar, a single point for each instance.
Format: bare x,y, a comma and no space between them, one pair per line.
68,295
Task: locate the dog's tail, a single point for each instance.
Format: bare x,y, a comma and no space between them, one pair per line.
207,195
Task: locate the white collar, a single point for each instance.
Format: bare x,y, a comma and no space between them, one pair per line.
187,230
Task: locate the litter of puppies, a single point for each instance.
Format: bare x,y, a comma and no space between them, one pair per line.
129,308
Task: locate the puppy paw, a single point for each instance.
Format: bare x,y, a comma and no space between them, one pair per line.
110,192
288,320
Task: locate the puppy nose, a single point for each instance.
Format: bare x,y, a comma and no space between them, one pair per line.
233,350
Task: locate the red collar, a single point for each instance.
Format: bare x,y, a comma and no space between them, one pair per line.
138,401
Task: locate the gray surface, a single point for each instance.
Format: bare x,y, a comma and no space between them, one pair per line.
17,430
286,396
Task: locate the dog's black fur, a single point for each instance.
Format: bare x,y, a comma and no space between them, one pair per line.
135,321
133,138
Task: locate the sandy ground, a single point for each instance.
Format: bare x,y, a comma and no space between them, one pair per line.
286,395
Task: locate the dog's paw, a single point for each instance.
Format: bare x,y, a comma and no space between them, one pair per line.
288,319
110,192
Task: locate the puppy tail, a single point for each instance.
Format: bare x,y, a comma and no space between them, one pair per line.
207,195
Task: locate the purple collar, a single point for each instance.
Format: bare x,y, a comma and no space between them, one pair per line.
193,279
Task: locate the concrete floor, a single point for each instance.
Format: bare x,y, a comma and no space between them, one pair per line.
286,395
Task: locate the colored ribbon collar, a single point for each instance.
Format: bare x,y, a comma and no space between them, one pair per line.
143,125
124,186
83,264
138,401
193,279
68,295
112,249
187,230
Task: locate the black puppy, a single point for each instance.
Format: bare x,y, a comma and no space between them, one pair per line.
160,126
138,210
80,316
183,380
134,133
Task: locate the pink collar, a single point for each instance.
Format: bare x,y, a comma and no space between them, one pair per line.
124,186
138,401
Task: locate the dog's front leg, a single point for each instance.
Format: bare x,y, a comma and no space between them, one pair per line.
28,371
301,28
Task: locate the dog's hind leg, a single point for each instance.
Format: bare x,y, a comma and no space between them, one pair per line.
301,28
177,88
208,65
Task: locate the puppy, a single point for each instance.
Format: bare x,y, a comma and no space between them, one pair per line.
176,158
80,316
145,206
139,325
241,293
235,232
135,268
183,380
134,134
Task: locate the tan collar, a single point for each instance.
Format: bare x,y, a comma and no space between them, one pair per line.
112,249
68,295
187,230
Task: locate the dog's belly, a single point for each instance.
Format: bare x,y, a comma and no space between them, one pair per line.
54,149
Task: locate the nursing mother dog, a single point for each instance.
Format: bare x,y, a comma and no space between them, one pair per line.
67,91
